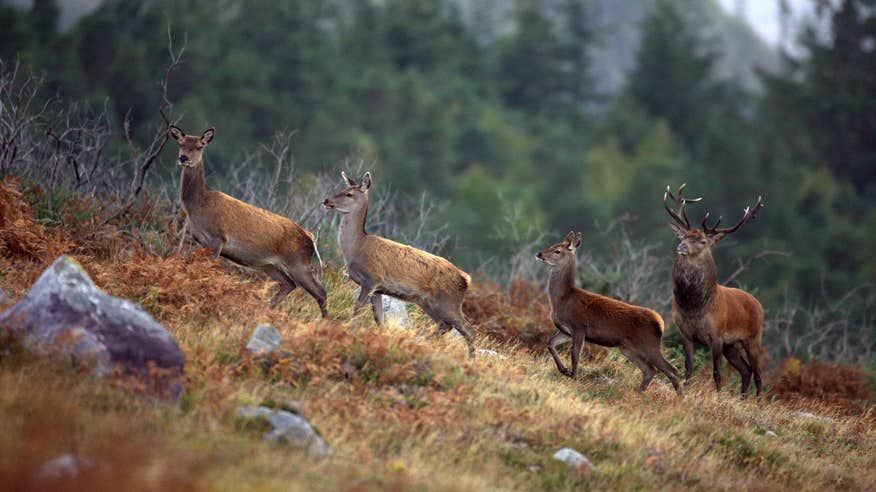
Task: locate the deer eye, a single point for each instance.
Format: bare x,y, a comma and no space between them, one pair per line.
557,251
350,195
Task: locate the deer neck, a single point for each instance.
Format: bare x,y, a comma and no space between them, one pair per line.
562,281
694,282
352,230
193,188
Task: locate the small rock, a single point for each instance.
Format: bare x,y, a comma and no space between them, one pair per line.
288,428
491,353
604,380
394,310
4,299
64,312
573,458
65,466
265,339
535,468
770,434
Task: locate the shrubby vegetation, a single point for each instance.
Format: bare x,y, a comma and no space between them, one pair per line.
497,126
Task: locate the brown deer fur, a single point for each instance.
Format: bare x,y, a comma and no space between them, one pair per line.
728,321
242,233
580,315
381,266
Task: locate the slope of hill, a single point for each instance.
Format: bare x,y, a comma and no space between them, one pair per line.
399,411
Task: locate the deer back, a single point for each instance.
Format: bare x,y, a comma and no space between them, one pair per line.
402,267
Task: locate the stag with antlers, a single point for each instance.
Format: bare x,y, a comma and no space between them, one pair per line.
729,321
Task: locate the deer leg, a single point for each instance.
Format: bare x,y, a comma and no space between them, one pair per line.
647,370
220,245
464,329
216,244
442,328
286,284
753,351
734,357
670,371
577,345
557,339
304,277
716,363
448,317
365,291
377,308
688,345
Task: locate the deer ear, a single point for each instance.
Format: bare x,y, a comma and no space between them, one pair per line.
571,241
679,232
366,181
207,137
176,133
350,181
577,241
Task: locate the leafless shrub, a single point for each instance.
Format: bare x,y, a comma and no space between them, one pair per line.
825,331
59,147
64,148
633,272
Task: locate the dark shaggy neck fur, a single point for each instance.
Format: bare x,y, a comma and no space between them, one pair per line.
694,282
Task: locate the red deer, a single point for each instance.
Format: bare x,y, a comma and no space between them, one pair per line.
722,318
242,233
580,315
381,266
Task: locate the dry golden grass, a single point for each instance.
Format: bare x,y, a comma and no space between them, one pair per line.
400,411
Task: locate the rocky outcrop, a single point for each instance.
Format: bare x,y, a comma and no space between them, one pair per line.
64,312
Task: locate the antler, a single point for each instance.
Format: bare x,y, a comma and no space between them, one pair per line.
679,214
748,214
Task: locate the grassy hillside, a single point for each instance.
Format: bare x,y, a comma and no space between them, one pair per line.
400,412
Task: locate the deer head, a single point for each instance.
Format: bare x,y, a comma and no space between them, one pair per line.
191,148
352,197
561,253
696,242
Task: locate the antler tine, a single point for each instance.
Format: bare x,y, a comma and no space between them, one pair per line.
706,228
672,213
679,214
747,214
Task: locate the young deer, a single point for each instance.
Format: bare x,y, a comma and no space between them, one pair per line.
381,266
581,315
244,234
719,317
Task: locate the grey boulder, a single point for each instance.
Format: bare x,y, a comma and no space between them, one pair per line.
64,312
288,428
265,339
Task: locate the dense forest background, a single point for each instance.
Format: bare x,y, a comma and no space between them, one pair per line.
517,119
